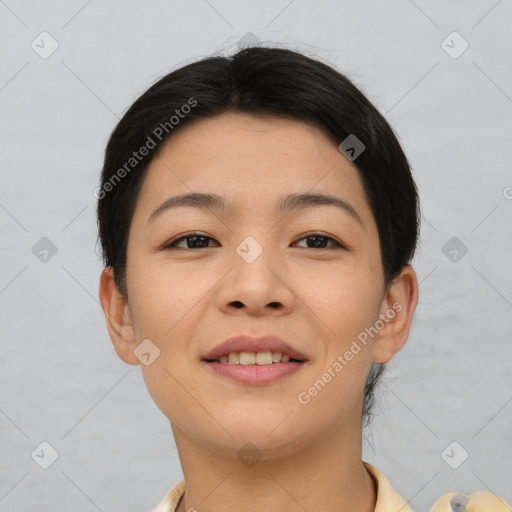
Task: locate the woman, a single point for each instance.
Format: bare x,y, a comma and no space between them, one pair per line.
257,218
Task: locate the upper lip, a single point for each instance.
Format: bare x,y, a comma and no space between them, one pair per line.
247,343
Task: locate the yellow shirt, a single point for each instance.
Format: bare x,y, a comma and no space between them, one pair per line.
388,500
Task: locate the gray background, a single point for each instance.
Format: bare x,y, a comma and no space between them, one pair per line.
61,381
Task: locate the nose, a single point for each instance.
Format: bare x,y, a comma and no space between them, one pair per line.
257,287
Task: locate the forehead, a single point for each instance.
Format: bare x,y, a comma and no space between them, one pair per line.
252,160
237,137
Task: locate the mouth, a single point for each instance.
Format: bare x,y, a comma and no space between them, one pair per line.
254,374
255,361
263,358
247,349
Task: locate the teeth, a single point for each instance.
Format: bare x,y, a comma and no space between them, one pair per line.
260,358
247,358
264,358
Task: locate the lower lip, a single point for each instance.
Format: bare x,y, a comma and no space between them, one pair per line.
255,374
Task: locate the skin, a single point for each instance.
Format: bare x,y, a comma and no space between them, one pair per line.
318,299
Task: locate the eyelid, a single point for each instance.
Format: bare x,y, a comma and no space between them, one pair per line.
168,245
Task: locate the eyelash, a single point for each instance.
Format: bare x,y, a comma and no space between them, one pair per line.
171,244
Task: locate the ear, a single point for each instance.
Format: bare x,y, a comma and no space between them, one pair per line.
118,316
396,314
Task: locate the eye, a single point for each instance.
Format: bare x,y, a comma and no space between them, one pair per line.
200,241
193,240
319,241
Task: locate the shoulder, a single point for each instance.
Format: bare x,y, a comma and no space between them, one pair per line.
387,497
479,501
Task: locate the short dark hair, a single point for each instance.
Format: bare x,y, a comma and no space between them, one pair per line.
261,80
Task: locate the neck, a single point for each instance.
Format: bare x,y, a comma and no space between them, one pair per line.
322,474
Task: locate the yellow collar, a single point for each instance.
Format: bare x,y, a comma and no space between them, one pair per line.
388,500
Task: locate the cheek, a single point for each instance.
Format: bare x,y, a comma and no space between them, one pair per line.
340,300
167,310
164,298
343,302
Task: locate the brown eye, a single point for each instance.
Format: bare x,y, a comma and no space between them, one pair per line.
192,240
200,241
319,241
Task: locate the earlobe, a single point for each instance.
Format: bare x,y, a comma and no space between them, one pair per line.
396,313
118,316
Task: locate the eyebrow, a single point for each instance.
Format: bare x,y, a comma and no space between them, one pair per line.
283,205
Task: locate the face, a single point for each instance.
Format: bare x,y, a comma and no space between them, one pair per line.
317,281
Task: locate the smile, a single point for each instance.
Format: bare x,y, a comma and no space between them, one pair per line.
255,369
